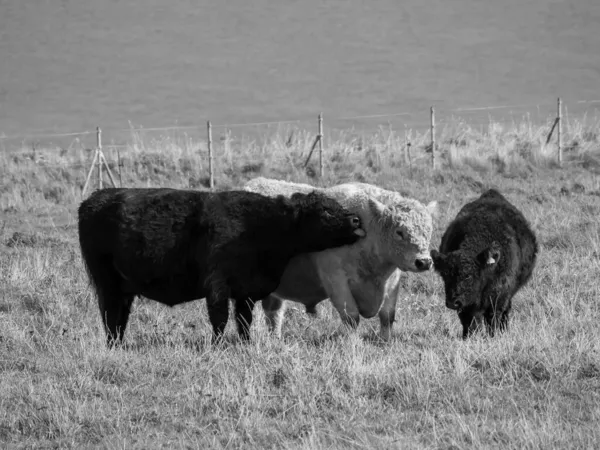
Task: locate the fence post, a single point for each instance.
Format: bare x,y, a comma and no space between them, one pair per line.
407,145
432,137
321,145
119,166
211,179
99,151
559,130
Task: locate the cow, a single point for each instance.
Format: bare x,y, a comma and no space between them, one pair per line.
175,246
487,253
362,279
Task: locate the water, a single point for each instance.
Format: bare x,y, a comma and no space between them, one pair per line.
69,65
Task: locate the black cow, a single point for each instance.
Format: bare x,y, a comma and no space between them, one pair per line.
175,246
487,254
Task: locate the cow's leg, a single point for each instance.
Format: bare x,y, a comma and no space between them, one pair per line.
217,304
243,317
274,308
491,323
387,313
344,303
113,303
504,320
470,321
505,315
465,320
497,321
386,322
115,317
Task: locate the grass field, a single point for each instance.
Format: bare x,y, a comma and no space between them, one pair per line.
536,386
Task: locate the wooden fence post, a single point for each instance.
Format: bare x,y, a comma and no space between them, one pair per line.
432,137
559,130
99,150
99,160
211,179
89,175
407,145
321,145
119,166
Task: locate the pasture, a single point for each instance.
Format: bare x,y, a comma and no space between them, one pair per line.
535,386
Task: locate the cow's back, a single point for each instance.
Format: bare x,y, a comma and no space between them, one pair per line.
273,188
118,216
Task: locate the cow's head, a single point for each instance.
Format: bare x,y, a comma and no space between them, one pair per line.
407,226
466,275
323,222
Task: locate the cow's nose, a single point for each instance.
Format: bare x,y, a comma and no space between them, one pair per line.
456,304
423,263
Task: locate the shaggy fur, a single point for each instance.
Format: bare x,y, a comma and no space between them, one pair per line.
174,246
486,255
361,279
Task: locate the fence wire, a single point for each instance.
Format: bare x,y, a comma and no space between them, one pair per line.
46,135
26,136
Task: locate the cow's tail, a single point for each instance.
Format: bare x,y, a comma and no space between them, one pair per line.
94,262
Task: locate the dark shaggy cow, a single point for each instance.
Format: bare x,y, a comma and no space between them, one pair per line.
175,246
487,254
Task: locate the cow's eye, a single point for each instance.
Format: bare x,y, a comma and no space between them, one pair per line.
400,234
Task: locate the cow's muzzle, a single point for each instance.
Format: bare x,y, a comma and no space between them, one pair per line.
454,304
423,264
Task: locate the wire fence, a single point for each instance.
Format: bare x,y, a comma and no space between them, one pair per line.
99,160
278,122
477,109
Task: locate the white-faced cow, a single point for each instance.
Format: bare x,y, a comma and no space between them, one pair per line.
486,255
360,279
175,246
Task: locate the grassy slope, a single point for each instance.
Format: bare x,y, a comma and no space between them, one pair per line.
537,386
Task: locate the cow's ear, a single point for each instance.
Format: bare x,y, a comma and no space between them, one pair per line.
376,208
490,256
432,208
438,260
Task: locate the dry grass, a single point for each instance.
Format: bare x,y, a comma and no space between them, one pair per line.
537,386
